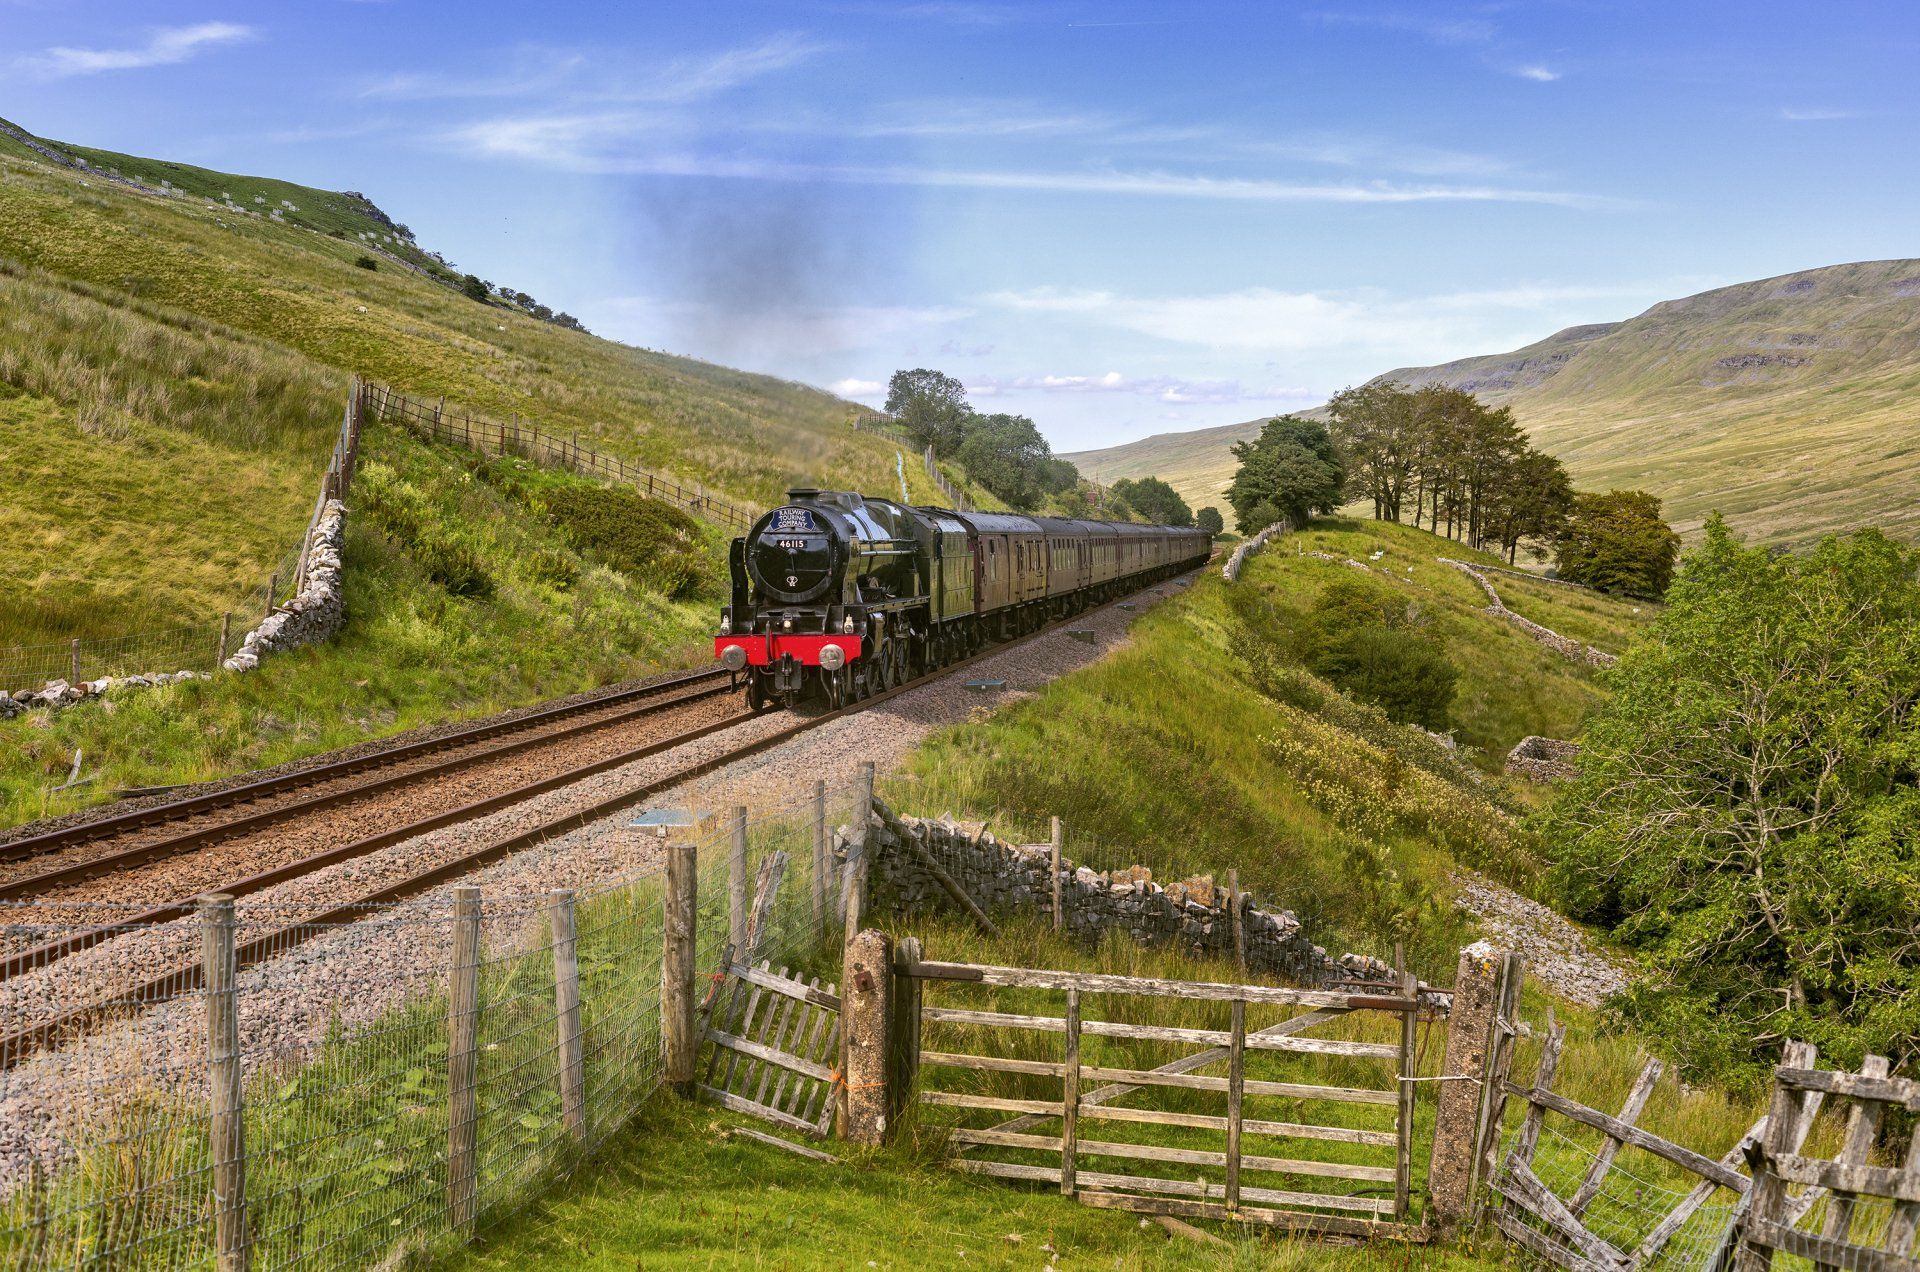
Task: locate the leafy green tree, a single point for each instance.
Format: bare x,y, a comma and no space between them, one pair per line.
1747,812
1006,454
473,287
1618,542
1293,468
1155,500
1210,520
1534,502
1369,643
1377,427
931,406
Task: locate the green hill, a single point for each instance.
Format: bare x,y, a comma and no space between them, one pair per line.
1786,403
173,367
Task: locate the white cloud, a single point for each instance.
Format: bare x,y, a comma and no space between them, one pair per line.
1536,72
1296,322
579,76
1169,389
1801,115
851,388
534,71
164,46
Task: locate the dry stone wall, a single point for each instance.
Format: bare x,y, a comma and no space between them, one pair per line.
1541,759
1191,915
317,611
1563,645
1232,568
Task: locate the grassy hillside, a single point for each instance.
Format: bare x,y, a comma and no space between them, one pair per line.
1204,744
1785,403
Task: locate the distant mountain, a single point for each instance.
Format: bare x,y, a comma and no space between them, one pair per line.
1791,404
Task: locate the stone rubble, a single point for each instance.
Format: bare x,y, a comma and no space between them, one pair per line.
1541,759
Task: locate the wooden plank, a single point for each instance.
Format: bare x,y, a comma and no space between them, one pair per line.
1200,1082
1159,1033
1528,1138
785,985
1787,1123
821,1106
992,1064
1182,1156
1704,1167
1236,1089
1697,1196
1248,1126
1206,991
1323,1225
1088,1179
1048,1109
1536,1243
933,867
1403,1115
1630,1110
1906,1216
761,1137
1521,1186
1863,1124
749,1020
777,1039
764,1028
1904,1092
1890,1182
1776,1236
740,1104
769,1055
1070,1095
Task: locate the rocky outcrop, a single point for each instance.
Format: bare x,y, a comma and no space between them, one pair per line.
1541,759
1192,915
317,611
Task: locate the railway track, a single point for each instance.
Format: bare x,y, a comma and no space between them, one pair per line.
20,1044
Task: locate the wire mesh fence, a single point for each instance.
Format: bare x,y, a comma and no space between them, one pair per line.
198,646
459,426
247,1083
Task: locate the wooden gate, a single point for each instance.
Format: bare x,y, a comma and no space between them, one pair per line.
1340,1108
774,1042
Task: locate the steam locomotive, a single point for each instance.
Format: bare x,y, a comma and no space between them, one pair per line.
840,596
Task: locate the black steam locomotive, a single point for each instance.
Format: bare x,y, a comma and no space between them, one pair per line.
849,596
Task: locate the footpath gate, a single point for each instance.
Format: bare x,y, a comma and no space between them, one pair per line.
1292,1131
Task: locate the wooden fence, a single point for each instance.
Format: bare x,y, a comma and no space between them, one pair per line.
1328,1194
459,426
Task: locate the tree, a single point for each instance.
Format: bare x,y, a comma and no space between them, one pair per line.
1155,500
1293,467
1210,520
472,287
1617,542
1377,429
931,406
1005,453
1747,812
1534,501
1370,643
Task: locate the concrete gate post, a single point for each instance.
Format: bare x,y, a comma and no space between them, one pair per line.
1467,1078
866,1029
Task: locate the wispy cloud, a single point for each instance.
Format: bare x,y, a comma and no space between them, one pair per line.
1802,115
1437,30
1537,73
1162,388
853,388
622,143
571,75
164,46
533,71
690,79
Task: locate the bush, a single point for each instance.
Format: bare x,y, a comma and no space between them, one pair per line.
1368,641
403,514
367,262
473,288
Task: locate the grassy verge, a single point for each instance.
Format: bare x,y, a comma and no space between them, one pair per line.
465,596
1605,622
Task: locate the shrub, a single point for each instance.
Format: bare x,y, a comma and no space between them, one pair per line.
473,288
652,541
367,262
1368,641
404,514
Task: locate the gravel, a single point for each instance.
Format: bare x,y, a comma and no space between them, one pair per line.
1556,952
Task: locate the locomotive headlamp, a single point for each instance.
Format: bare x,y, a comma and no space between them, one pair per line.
726,623
832,657
734,657
846,625
786,624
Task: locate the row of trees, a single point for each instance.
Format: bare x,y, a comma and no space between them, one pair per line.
1007,455
1460,468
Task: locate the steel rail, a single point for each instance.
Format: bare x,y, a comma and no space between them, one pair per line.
16,1047
134,819
143,854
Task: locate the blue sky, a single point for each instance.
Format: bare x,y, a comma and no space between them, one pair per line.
1119,218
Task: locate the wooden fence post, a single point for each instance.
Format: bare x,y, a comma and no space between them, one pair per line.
463,1055
1465,1082
1503,1035
566,1001
273,587
1053,859
226,626
1070,1099
1787,1124
678,1045
1409,1076
1236,1098
865,1029
819,858
232,1243
737,881
1238,904
906,1025
73,655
